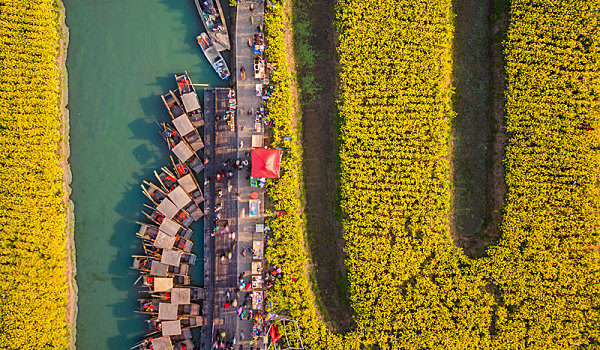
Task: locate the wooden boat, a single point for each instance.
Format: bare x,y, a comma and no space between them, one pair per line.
167,180
174,107
168,226
192,293
189,97
179,168
170,134
213,56
168,256
154,325
184,179
157,342
186,154
161,239
167,311
182,122
185,128
167,210
177,196
211,14
183,201
153,192
184,345
154,284
156,268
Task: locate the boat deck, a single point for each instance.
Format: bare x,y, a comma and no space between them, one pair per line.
220,40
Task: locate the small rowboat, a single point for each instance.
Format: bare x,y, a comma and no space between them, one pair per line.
213,56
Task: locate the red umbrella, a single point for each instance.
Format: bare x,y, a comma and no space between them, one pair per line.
254,195
265,162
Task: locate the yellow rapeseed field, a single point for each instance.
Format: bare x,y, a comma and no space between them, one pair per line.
32,221
411,288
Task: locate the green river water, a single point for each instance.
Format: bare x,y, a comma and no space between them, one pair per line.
122,55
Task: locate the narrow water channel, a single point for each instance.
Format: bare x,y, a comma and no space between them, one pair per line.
122,56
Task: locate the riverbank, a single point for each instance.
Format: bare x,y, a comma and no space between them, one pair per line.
64,152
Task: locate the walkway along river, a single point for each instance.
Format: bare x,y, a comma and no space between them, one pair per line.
122,56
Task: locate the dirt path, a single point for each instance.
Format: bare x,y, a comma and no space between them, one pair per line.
478,129
64,152
314,21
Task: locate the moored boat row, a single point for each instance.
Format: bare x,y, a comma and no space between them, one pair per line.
167,296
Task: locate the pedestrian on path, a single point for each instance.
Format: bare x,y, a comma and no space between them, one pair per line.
241,144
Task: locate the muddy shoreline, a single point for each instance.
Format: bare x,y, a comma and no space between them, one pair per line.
64,153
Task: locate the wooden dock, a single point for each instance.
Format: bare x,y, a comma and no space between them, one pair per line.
223,261
221,229
209,204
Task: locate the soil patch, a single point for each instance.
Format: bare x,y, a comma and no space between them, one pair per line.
478,135
316,57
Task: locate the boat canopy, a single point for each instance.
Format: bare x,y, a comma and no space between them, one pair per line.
183,125
179,197
182,151
159,269
167,311
167,208
170,257
171,328
163,343
163,284
190,102
164,241
169,227
188,183
180,296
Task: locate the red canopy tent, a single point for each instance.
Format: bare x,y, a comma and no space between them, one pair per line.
265,162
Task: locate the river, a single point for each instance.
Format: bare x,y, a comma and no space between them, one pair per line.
122,55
